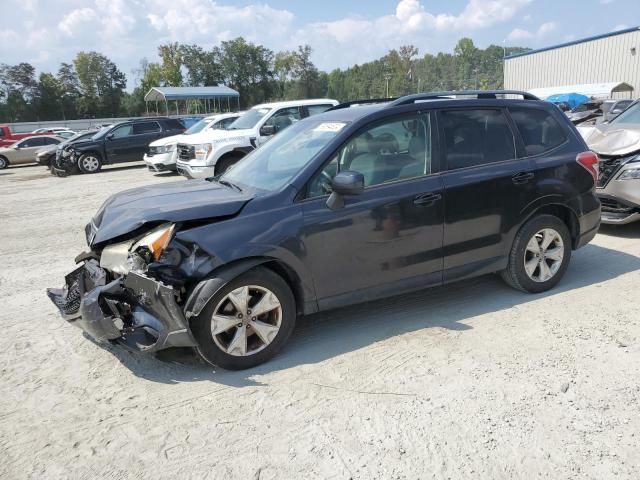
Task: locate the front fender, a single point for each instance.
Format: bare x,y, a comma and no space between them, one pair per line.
206,289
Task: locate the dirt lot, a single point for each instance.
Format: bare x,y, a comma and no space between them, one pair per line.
472,380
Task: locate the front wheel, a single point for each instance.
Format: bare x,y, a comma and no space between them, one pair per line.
246,322
89,163
539,256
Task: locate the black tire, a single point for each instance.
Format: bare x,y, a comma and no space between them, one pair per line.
201,325
515,274
226,162
87,162
4,163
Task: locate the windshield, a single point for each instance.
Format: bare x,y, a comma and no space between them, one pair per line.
630,115
276,163
197,127
249,119
101,133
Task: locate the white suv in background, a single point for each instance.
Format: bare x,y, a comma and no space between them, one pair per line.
208,154
161,155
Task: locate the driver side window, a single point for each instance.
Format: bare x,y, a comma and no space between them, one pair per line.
124,131
391,150
284,118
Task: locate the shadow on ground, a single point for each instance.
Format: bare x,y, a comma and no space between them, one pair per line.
631,230
325,335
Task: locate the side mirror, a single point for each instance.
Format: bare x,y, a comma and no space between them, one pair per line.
109,137
267,130
348,182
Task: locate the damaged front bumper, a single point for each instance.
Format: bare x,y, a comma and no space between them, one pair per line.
135,310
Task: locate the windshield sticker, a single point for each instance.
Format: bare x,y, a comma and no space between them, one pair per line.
329,127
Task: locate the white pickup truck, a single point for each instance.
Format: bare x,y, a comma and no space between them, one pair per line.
161,155
205,155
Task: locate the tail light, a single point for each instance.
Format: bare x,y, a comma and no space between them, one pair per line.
589,161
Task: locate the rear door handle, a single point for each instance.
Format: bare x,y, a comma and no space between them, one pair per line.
426,199
522,177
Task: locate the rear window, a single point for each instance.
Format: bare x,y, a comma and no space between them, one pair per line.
540,132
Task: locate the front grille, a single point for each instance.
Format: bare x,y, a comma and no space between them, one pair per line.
608,167
186,152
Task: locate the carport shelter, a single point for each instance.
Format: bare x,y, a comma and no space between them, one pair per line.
214,97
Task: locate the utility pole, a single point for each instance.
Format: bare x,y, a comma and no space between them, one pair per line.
418,86
387,77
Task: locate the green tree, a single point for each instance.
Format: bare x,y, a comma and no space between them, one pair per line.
49,99
101,85
203,67
171,56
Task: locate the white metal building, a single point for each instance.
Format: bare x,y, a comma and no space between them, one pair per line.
610,58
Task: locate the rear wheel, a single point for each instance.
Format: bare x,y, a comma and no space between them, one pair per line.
247,321
4,163
225,162
540,255
89,163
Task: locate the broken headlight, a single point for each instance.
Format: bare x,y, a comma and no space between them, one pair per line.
124,256
631,174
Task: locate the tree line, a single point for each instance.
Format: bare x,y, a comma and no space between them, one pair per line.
92,86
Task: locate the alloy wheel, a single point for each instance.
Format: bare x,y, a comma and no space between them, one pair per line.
246,320
543,255
90,164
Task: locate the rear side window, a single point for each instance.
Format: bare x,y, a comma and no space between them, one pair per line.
476,137
51,141
145,127
316,109
33,142
540,132
174,124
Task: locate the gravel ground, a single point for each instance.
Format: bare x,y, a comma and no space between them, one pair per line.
472,380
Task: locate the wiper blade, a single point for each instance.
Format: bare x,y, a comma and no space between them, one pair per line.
229,184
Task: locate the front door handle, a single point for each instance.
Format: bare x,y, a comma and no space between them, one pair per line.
522,177
426,199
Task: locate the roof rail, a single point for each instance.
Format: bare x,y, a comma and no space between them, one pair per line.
478,93
369,101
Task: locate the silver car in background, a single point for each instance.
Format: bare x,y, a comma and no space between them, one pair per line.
617,144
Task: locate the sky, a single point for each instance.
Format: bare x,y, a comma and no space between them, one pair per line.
341,33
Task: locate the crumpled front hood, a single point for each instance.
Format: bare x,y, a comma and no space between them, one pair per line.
612,139
178,201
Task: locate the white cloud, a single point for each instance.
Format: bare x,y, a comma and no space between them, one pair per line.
606,2
127,30
622,26
522,34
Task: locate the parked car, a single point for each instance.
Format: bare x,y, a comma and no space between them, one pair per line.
613,108
124,142
585,112
617,143
24,151
162,153
7,137
52,130
46,155
343,207
211,153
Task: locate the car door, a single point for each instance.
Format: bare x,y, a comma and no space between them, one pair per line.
118,144
27,149
143,134
389,238
280,120
486,188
